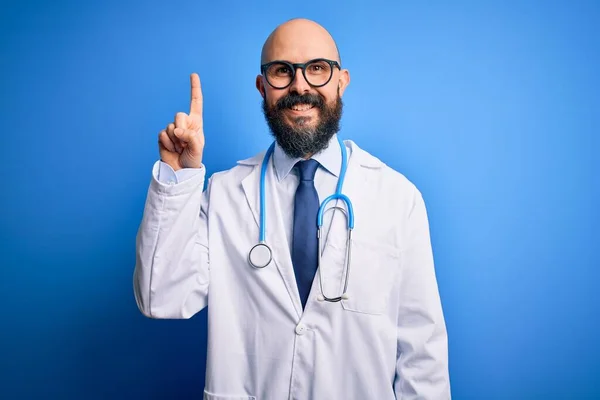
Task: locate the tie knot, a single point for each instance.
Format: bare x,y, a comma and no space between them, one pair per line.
307,169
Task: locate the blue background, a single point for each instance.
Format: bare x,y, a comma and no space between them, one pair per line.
490,108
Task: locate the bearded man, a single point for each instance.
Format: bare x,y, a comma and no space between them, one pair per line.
313,258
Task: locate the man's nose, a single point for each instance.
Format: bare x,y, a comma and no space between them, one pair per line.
299,84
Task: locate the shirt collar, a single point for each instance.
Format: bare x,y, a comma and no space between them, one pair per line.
330,159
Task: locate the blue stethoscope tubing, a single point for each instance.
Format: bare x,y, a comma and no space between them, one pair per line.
261,254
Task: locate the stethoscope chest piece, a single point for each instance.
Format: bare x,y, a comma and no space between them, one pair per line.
260,255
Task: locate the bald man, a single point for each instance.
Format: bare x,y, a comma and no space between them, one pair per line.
298,308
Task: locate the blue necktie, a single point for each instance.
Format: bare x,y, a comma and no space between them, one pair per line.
304,243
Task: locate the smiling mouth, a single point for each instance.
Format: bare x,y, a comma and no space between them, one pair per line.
301,107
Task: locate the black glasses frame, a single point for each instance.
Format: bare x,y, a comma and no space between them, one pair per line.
294,67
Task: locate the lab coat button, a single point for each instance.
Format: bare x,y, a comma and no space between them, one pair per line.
300,329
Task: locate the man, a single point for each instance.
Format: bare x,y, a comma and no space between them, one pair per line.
272,331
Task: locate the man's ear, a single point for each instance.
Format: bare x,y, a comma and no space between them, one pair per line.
343,81
260,85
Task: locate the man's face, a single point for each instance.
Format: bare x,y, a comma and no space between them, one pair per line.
302,116
303,124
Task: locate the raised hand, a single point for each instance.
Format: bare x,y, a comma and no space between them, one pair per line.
182,142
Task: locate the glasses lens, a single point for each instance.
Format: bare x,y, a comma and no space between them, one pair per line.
318,73
279,75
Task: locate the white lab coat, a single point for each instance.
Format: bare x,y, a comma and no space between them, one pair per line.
386,341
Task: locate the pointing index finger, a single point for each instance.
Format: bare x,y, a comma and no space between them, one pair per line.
196,98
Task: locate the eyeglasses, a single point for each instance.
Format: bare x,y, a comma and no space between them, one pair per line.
317,72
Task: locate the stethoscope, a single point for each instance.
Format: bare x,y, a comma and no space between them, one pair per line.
261,255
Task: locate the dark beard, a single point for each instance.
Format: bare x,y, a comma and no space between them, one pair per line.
303,140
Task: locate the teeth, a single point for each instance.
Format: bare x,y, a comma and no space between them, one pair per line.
301,107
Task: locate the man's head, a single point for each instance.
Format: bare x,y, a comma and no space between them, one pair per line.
302,108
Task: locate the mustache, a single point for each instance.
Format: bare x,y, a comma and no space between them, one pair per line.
294,99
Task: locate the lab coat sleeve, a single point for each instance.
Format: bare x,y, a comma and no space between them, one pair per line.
171,273
422,357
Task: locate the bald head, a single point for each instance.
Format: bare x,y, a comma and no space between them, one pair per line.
299,40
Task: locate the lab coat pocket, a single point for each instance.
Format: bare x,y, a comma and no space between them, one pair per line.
212,396
373,270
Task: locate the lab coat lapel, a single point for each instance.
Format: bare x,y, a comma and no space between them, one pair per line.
275,235
250,184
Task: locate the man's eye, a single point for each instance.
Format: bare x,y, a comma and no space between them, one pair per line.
318,68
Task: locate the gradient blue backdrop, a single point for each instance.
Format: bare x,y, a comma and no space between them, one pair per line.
490,109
